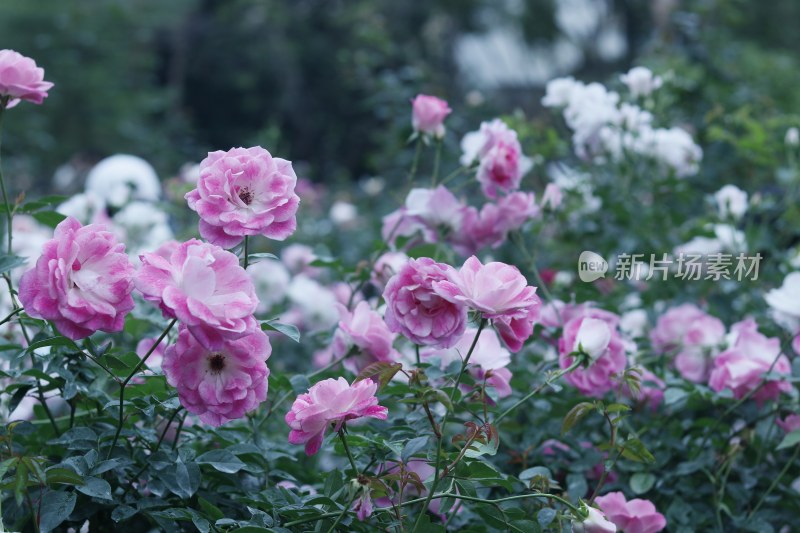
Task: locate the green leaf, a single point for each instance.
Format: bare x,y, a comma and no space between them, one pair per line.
414,446
9,262
56,507
58,340
7,465
575,414
636,451
222,460
255,258
791,439
96,488
210,509
381,370
49,218
63,475
641,482
545,516
287,329
251,529
21,483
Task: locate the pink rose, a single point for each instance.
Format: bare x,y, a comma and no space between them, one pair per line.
742,366
157,357
606,348
432,214
552,197
501,162
362,506
387,266
672,326
694,333
634,516
428,114
222,384
416,310
789,424
244,191
491,226
365,330
21,79
595,522
204,287
82,281
331,402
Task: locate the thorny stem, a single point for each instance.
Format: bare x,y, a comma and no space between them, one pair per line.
347,451
575,364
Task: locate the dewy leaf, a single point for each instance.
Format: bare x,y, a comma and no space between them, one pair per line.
56,507
791,439
384,372
575,414
287,329
222,460
96,487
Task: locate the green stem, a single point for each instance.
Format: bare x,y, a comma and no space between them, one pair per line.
437,471
343,513
11,315
347,451
122,385
413,172
9,214
575,364
775,482
436,160
246,251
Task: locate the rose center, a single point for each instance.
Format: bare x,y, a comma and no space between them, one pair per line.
246,196
216,362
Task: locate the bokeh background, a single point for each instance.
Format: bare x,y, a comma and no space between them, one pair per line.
326,83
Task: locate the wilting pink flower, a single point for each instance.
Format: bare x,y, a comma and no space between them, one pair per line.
245,191
21,79
634,516
363,504
428,114
742,366
606,347
365,330
488,360
789,424
331,402
222,384
82,281
594,523
416,310
204,287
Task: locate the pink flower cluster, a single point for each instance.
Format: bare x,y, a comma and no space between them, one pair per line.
21,79
82,281
634,516
742,366
593,332
221,384
331,402
694,334
501,164
428,114
244,191
364,330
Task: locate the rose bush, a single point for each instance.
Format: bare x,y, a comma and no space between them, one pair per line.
455,375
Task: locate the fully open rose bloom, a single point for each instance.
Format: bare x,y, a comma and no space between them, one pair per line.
596,334
741,367
222,384
82,281
501,164
21,79
245,191
331,402
428,114
416,310
500,292
634,516
204,287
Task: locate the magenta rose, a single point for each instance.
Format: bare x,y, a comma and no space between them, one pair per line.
244,191
331,402
82,281
21,79
634,516
204,287
416,310
222,384
428,114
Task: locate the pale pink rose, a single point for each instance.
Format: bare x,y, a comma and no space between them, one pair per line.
671,327
428,114
634,516
429,215
244,191
298,258
331,402
222,384
387,266
488,360
608,359
204,287
502,168
157,357
552,197
82,281
789,424
742,366
417,311
21,79
475,145
796,344
364,330
517,328
694,333
594,523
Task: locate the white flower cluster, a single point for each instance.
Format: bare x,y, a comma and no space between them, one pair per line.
606,128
